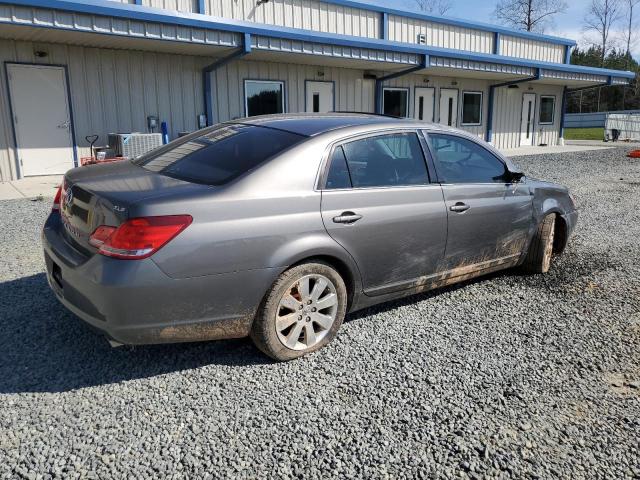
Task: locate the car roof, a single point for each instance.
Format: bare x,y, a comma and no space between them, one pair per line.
317,123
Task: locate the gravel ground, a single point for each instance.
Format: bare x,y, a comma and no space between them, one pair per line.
509,376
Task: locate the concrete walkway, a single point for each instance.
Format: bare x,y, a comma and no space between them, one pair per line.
519,152
30,187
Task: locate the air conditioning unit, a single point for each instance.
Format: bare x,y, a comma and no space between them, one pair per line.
133,145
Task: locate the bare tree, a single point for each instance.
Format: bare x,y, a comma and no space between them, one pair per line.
436,7
601,16
632,31
529,15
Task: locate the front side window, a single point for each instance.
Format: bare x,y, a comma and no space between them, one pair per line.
218,155
395,102
471,108
460,160
547,107
386,161
263,97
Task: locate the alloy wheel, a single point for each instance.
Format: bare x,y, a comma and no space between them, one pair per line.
306,312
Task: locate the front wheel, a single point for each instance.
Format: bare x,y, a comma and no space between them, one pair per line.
301,313
541,249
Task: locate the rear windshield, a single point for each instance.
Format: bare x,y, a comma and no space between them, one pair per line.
217,156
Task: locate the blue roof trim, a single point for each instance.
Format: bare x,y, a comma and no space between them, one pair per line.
149,14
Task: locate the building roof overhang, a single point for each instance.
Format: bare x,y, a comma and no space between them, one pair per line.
212,36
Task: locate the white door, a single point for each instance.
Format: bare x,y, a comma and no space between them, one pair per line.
528,119
41,118
424,103
319,97
449,107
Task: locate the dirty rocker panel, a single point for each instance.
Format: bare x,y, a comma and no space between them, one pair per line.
448,277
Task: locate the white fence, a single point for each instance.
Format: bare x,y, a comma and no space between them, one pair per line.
627,124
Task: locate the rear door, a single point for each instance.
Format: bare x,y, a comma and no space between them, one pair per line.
42,118
379,204
489,218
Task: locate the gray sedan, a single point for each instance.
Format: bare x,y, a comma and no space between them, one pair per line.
276,227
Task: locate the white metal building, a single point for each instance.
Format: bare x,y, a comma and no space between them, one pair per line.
76,68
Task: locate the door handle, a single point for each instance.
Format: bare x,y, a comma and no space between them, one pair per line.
347,218
459,207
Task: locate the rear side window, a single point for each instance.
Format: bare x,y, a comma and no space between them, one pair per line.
218,155
386,161
338,176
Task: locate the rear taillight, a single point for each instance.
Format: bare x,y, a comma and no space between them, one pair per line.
138,237
56,200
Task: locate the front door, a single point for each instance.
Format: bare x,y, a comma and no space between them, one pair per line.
41,118
319,97
528,119
488,218
448,107
379,205
424,103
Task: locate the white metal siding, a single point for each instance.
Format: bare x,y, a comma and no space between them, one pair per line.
190,6
507,116
406,30
113,91
304,14
352,92
531,49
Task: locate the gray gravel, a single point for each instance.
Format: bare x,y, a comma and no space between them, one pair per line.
509,376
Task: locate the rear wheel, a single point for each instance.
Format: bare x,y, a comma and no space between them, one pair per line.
302,312
541,249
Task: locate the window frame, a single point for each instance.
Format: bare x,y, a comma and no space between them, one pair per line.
472,92
255,80
553,110
398,89
321,183
427,134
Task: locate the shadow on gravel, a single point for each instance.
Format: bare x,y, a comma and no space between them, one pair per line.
44,348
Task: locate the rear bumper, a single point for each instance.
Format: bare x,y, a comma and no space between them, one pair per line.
134,302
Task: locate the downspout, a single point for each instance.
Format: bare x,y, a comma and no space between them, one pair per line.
492,88
380,81
565,92
206,73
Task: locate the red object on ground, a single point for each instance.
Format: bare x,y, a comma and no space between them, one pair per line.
93,161
634,154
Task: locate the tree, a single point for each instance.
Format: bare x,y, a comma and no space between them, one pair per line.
601,16
609,98
436,7
631,29
528,15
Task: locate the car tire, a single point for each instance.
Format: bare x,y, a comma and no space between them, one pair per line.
300,314
540,252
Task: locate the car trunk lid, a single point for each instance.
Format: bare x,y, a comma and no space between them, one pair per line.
104,195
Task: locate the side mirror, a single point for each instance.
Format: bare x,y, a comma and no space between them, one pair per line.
515,176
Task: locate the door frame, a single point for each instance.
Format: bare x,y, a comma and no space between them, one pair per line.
533,119
306,87
457,105
74,145
415,96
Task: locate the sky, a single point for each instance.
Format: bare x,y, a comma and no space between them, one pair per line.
568,24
